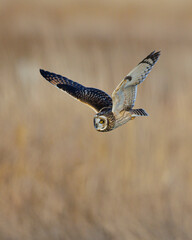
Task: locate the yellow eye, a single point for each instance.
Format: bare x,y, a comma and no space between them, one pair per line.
101,121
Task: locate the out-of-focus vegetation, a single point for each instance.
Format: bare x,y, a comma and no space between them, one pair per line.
59,178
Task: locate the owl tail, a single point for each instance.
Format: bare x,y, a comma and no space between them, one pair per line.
138,112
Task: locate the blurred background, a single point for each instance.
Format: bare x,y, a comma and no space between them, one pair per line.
59,177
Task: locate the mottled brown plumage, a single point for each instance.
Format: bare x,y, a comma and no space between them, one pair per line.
111,112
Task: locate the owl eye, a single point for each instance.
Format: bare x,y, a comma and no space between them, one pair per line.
101,121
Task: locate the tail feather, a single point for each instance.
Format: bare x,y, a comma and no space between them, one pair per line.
138,112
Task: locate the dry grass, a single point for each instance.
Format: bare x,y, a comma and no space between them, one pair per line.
59,178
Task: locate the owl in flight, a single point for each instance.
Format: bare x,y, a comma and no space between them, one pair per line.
110,112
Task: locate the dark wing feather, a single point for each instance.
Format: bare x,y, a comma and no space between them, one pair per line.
151,59
95,98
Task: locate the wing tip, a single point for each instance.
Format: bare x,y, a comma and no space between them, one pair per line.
48,76
42,72
154,56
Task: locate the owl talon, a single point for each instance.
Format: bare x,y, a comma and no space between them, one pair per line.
132,118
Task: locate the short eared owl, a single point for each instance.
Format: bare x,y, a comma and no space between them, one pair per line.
111,112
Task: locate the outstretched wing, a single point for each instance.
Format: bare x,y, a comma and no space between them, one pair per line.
124,95
95,98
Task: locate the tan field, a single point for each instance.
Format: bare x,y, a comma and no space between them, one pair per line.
60,179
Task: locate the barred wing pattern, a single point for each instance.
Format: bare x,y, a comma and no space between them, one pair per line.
124,95
95,98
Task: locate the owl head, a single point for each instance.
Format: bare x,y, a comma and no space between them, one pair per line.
100,123
104,121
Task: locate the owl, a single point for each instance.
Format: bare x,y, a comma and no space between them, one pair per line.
110,112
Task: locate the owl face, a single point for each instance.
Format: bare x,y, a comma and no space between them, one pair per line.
100,123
